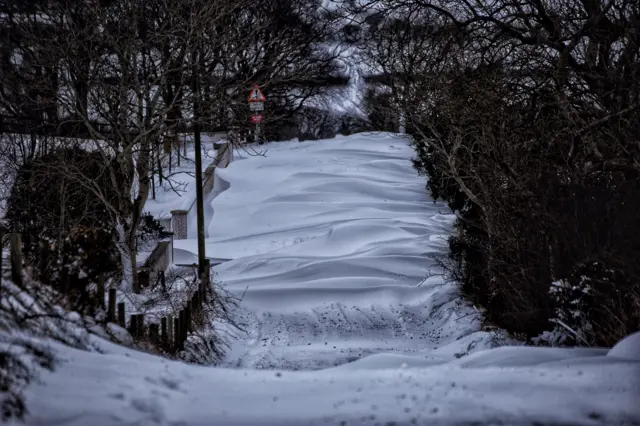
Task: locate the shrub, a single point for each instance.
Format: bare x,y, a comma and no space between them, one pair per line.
150,232
526,218
598,305
67,233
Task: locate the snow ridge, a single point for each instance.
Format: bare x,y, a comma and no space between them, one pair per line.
332,241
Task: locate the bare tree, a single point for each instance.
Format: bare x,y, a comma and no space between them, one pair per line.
137,56
289,47
524,118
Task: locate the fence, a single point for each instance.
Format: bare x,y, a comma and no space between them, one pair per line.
169,334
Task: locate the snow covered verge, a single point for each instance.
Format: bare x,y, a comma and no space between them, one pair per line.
29,322
510,386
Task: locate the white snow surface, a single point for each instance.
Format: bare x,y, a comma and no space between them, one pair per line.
331,241
178,191
125,387
628,348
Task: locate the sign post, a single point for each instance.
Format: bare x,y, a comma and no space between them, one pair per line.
256,104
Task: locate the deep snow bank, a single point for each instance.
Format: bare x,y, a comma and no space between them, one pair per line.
545,387
331,241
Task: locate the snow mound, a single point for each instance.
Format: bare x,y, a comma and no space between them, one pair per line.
331,246
627,348
124,387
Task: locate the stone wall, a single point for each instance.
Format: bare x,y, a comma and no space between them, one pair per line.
179,224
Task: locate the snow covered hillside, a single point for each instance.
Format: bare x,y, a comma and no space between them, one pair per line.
330,244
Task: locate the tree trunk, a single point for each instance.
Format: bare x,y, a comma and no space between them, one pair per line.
133,258
142,170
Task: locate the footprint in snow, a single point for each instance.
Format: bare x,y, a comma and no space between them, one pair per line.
149,406
172,384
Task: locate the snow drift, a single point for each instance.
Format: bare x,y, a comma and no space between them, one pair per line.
332,241
330,245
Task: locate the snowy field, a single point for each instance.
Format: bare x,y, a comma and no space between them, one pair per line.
330,244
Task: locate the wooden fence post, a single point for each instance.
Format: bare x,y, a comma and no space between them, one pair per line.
141,330
170,331
206,280
163,281
121,315
163,331
183,327
176,333
133,326
153,333
189,314
111,309
45,255
101,291
16,259
184,151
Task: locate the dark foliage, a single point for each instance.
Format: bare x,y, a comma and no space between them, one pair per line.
150,231
60,205
314,124
381,114
16,371
525,120
599,301
535,219
67,231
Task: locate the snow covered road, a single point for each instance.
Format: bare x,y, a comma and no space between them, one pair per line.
332,241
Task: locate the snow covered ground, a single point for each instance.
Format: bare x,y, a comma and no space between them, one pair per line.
331,241
330,244
178,191
506,386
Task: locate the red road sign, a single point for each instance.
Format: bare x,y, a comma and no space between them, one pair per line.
257,118
256,95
